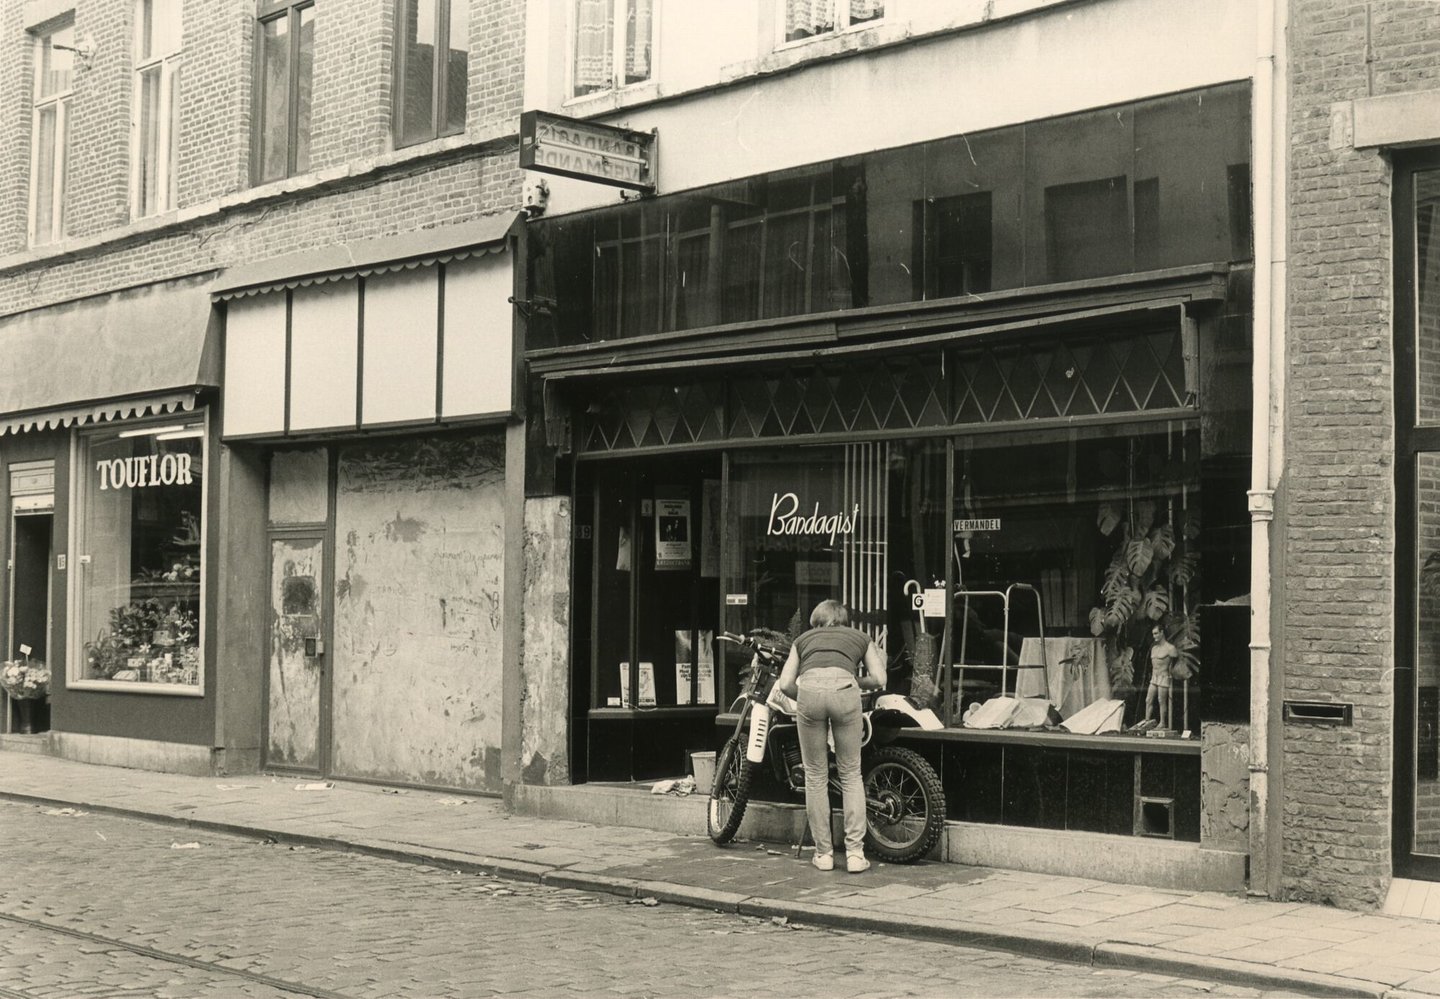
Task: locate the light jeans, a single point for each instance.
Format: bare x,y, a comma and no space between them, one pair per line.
823,709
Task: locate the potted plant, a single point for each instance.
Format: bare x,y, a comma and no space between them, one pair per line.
27,681
1148,582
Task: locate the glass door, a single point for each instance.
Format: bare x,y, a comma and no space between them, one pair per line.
1416,842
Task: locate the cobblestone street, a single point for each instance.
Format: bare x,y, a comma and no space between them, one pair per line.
103,906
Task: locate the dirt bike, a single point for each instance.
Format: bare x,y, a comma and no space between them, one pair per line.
904,800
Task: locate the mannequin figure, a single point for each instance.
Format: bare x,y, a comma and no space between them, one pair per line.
1162,662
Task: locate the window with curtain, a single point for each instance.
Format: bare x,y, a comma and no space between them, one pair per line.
612,42
810,18
432,68
49,130
285,61
156,118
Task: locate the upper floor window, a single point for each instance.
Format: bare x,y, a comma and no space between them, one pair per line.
49,128
808,18
432,65
613,40
156,122
285,60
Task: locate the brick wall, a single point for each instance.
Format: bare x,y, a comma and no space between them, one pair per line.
1337,541
352,100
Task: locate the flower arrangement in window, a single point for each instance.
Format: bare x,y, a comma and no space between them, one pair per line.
25,679
150,641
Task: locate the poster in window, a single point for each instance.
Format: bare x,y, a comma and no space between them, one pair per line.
684,667
647,685
672,534
705,668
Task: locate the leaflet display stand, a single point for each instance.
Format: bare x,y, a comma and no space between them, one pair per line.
957,665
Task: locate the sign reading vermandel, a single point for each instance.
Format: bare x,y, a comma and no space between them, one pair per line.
587,150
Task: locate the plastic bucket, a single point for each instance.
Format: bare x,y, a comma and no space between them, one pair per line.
703,765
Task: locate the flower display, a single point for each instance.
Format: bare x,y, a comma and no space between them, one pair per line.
150,641
25,679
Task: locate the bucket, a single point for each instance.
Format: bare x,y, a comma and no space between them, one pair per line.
703,765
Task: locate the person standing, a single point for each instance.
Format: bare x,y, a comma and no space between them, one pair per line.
822,673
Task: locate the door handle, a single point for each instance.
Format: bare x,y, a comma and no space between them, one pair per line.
314,648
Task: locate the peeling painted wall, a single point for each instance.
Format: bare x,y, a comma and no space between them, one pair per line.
545,659
1225,786
298,484
419,528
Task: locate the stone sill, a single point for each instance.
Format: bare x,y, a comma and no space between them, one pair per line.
290,188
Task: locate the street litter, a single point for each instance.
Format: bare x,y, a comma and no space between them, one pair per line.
679,786
184,846
232,787
453,801
780,920
63,811
319,785
392,790
102,837
647,900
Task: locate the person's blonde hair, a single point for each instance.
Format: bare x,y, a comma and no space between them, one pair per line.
829,614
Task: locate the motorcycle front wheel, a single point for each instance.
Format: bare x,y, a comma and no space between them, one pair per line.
905,805
730,793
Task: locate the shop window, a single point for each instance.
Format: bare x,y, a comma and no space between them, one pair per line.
432,66
50,132
957,245
612,43
285,60
157,106
137,572
813,18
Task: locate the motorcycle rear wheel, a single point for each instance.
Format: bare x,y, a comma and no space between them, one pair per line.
906,812
730,792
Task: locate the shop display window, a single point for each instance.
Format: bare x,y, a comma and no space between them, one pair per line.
137,556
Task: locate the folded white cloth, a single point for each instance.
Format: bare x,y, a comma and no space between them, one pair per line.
1096,718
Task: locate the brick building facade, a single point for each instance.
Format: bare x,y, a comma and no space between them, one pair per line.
107,276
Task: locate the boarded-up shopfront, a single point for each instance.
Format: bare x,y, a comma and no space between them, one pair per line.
376,395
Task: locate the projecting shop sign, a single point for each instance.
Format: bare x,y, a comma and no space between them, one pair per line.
587,150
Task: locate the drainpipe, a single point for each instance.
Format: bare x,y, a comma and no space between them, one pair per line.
1269,145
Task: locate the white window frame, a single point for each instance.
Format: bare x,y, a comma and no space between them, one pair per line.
80,470
617,51
839,14
169,63
60,101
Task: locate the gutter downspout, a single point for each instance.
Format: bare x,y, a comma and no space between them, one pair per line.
1269,145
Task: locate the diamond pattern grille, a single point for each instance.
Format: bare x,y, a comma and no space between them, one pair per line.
995,383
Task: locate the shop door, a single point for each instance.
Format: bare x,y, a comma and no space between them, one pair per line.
297,681
1416,851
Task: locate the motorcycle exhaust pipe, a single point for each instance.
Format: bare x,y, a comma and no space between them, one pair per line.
759,728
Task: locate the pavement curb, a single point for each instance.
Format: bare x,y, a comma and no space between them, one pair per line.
1119,955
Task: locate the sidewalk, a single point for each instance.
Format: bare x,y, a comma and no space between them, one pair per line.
1307,949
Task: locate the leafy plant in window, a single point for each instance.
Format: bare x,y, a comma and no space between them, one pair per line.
1147,582
150,640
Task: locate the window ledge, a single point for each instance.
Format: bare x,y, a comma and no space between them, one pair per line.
612,100
280,190
834,45
135,687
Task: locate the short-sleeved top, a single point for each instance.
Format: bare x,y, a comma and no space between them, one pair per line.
835,647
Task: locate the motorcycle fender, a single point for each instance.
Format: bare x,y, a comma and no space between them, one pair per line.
759,730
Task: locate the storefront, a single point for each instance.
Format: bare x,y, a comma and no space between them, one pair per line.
371,386
991,391
110,507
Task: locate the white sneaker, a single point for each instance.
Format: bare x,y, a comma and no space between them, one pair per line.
856,863
823,861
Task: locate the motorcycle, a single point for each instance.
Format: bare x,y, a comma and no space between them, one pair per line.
904,800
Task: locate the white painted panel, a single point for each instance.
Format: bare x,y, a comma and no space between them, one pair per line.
479,361
400,343
324,349
255,365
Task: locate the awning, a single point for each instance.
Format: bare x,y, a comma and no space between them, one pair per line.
339,261
127,353
404,331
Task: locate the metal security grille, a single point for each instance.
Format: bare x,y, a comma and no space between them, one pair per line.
965,386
